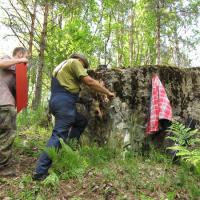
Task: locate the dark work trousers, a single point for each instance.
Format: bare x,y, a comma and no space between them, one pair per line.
68,122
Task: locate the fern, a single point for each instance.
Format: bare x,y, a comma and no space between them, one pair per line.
184,139
182,135
190,156
51,180
66,162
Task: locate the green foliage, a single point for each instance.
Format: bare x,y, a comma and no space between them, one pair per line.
171,195
184,179
33,129
144,197
66,162
157,156
30,144
131,167
109,174
186,144
194,191
30,117
97,155
182,176
190,156
182,135
105,169
52,180
75,36
104,172
25,192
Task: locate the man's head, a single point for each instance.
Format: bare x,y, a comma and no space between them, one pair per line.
20,52
82,58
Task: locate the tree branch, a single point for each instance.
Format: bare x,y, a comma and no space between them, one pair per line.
19,15
18,37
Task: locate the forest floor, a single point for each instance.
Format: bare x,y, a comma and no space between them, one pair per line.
109,176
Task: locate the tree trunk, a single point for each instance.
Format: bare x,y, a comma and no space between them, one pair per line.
33,17
131,42
177,50
120,42
107,40
158,33
38,85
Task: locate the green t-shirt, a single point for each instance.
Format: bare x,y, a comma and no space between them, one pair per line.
68,73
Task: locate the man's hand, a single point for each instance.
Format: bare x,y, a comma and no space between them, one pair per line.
111,95
99,87
4,63
23,60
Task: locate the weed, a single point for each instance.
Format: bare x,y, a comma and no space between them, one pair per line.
109,174
27,147
52,180
66,162
194,191
28,193
127,176
185,144
97,155
182,176
39,197
182,135
130,166
144,197
30,117
171,195
158,157
25,180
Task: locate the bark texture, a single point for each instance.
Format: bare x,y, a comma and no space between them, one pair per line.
38,84
124,118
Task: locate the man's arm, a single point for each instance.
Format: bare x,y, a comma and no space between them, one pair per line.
4,63
93,84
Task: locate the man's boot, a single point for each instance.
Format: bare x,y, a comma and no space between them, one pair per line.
39,177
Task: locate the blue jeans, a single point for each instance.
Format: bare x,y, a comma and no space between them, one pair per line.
68,124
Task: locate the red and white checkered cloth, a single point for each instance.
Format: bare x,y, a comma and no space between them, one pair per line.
160,107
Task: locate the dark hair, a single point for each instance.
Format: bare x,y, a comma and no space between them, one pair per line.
19,49
81,57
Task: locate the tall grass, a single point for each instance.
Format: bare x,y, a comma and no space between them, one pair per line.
30,117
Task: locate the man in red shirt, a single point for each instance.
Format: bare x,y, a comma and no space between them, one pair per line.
7,108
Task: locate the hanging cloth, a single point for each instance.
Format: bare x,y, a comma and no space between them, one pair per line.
160,107
21,86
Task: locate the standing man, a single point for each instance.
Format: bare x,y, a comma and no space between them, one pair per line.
65,87
7,108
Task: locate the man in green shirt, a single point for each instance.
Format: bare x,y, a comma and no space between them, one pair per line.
70,72
65,87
